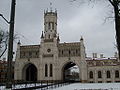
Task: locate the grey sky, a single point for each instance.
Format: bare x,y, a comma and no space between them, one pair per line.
74,20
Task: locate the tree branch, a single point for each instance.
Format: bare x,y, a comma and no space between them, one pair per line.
112,2
4,50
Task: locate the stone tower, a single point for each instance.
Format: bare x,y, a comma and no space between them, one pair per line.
50,24
49,43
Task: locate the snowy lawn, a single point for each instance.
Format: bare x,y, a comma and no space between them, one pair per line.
90,86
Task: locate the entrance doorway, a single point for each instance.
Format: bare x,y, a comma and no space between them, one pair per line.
30,72
71,72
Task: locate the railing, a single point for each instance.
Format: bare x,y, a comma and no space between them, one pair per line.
22,85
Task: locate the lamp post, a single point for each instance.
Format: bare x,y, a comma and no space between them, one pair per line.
10,45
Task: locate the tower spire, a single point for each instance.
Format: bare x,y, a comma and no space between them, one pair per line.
50,6
81,39
42,35
58,39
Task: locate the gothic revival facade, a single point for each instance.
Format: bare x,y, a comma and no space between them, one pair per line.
50,59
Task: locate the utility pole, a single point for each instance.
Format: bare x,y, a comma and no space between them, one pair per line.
10,46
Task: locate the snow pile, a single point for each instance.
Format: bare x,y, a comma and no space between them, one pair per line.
90,86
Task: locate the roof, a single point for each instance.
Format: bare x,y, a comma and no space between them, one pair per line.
102,61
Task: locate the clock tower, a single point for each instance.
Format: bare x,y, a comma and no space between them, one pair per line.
50,25
49,43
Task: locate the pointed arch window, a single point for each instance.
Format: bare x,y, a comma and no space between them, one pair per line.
108,74
49,26
116,74
99,74
62,52
52,25
76,51
51,70
90,74
46,70
49,36
69,52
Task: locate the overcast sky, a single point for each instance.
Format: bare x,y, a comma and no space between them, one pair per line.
74,20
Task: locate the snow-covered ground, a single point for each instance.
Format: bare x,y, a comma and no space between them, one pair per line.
90,86
22,86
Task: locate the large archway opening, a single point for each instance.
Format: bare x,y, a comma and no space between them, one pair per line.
71,72
30,72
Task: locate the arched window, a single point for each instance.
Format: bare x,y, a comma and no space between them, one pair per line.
108,74
69,52
116,74
76,51
46,70
90,74
49,25
52,25
51,70
62,52
49,36
99,74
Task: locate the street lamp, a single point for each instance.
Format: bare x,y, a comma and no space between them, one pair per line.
10,45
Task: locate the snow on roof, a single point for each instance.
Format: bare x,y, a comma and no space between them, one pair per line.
105,58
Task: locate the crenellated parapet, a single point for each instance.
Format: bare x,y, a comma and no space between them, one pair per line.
69,49
29,51
102,62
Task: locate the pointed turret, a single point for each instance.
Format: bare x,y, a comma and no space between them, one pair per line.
18,50
81,39
58,39
42,36
19,43
82,48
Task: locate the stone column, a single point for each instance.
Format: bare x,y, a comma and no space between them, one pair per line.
95,75
112,76
104,76
83,72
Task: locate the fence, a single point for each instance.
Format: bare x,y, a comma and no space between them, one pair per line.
22,85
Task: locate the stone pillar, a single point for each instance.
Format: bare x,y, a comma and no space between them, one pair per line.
112,76
83,63
104,76
83,72
41,72
18,51
95,75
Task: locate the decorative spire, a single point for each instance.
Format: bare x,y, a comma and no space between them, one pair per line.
58,39
19,42
44,12
47,10
50,6
81,38
42,35
55,10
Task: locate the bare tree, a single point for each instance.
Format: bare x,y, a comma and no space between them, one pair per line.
3,42
116,6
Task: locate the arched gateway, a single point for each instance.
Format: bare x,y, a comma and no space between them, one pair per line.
69,73
51,58
30,72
